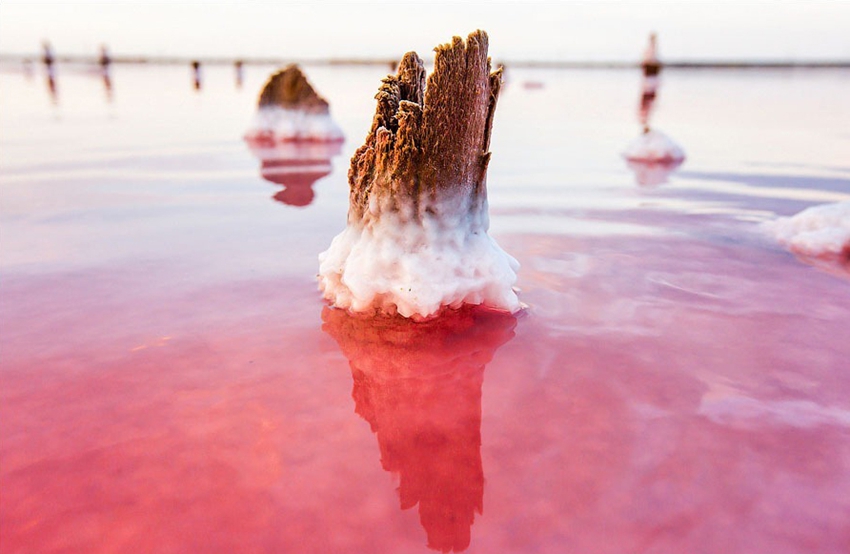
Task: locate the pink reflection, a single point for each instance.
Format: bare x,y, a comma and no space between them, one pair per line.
837,265
653,173
52,90
296,165
419,387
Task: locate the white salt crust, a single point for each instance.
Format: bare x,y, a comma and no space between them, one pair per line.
815,231
391,262
283,124
654,146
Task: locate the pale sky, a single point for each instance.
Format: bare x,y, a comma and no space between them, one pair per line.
794,30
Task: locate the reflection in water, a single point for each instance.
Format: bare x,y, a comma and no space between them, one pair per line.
51,88
27,68
834,263
107,86
419,387
295,165
650,174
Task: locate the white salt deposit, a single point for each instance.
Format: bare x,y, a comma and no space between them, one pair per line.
654,146
815,231
282,124
393,262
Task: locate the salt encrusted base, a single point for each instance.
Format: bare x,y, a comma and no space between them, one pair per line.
816,231
395,264
275,124
654,146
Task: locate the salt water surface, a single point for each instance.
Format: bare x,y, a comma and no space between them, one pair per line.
172,381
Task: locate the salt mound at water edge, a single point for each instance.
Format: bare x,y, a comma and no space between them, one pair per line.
416,267
815,231
654,146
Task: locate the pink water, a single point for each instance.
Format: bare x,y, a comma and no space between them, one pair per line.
172,381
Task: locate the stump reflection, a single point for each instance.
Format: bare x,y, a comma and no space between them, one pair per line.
418,384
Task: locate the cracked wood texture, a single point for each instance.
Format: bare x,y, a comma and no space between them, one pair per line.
428,140
289,88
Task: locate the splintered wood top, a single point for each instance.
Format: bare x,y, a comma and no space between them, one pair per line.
428,138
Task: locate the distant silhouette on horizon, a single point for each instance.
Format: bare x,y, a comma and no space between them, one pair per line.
239,67
196,74
651,67
105,63
104,60
49,61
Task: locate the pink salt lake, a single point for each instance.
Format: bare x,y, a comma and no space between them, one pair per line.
172,382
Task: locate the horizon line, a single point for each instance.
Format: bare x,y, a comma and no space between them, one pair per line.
525,63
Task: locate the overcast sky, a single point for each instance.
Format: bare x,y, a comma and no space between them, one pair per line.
602,30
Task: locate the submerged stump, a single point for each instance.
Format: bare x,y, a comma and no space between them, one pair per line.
416,239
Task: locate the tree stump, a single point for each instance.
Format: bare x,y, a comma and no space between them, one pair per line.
416,239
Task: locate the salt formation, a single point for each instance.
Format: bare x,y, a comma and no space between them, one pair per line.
290,110
418,385
816,231
293,136
654,147
416,239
